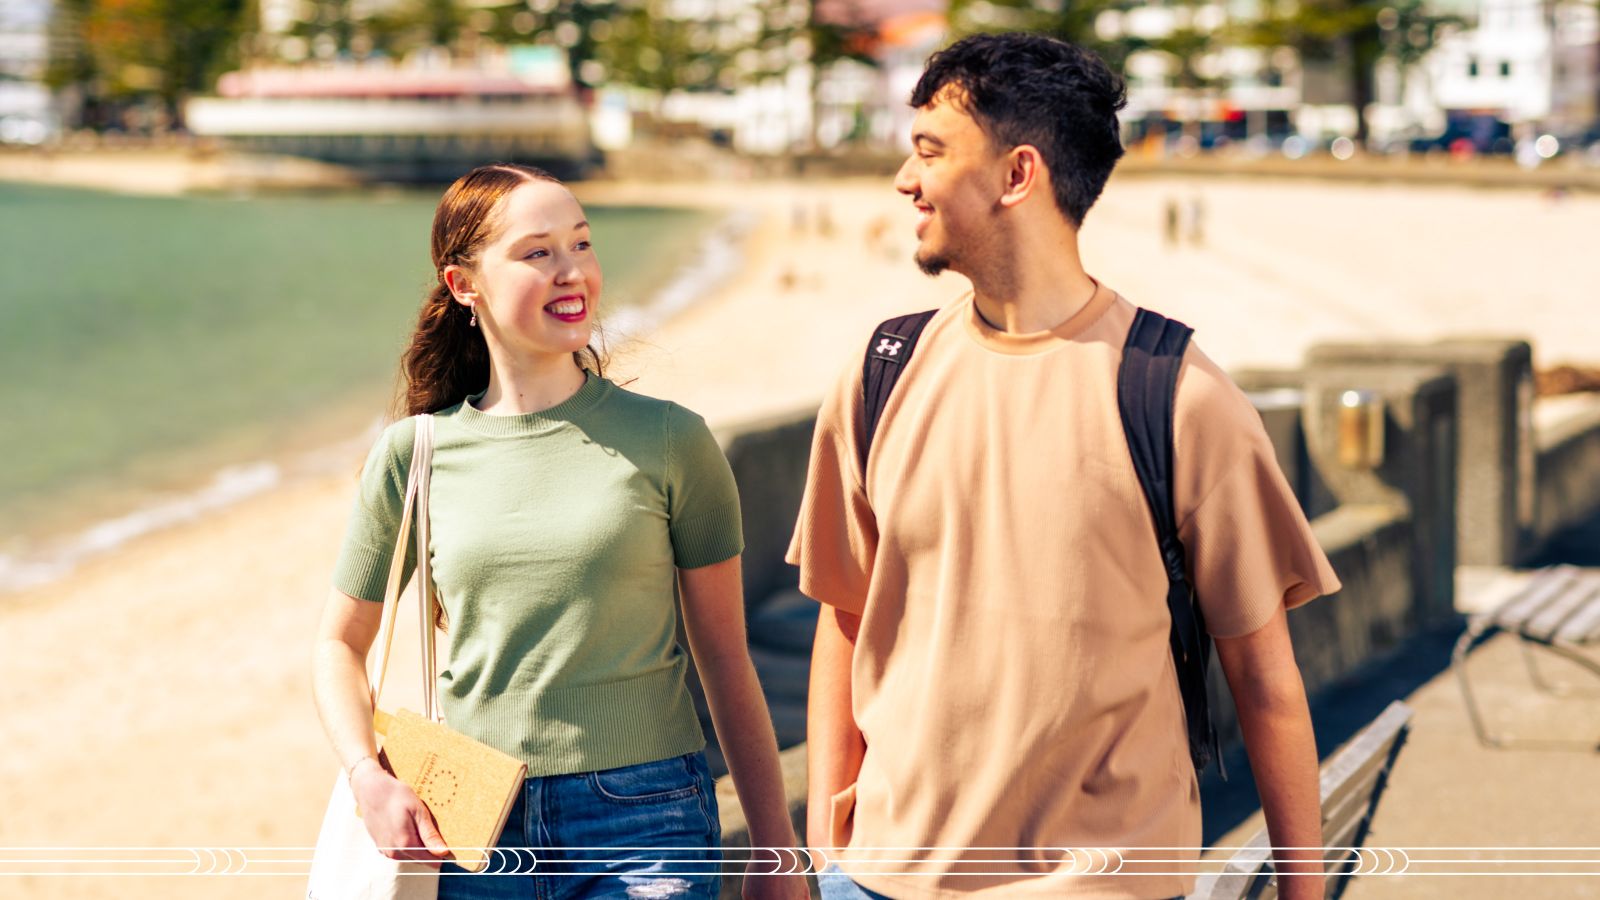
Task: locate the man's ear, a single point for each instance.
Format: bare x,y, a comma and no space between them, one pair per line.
1024,173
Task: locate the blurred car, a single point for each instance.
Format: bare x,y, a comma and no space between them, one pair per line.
1468,134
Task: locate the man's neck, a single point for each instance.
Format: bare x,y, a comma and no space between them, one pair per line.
1040,286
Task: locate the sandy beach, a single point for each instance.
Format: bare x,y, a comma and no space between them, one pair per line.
160,696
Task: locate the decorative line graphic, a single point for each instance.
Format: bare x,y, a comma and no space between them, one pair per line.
1123,862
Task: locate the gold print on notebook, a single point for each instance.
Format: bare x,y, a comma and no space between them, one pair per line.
437,783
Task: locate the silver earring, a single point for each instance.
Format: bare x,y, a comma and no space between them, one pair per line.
474,322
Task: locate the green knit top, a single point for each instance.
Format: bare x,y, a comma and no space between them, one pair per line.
555,538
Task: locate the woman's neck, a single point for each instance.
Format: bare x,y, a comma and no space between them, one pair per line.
517,387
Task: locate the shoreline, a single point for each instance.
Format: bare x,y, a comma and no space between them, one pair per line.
323,443
176,169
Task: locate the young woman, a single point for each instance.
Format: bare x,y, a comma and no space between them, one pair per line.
563,508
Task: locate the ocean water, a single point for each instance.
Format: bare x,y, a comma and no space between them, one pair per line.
160,356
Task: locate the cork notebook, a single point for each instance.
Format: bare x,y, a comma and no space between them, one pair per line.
469,787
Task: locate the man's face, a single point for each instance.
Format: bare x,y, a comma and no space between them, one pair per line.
954,177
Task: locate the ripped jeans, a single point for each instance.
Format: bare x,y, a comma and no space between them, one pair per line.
644,832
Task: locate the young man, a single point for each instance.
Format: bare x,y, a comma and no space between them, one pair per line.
992,686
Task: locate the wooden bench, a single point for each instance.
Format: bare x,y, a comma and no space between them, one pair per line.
1559,610
1352,781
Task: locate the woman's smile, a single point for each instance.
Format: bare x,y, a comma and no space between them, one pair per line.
568,308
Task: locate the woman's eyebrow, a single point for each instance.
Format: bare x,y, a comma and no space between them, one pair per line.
540,235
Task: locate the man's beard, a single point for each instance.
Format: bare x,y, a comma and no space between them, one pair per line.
931,264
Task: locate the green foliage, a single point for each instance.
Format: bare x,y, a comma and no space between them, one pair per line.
1356,34
1070,20
129,50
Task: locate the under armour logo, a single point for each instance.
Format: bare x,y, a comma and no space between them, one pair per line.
887,347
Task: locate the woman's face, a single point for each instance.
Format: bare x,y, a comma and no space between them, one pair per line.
537,282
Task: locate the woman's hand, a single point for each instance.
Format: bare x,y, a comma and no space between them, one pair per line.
759,885
396,818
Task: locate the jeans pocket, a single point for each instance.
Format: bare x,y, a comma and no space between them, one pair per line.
651,782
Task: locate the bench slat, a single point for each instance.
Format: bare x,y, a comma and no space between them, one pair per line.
1240,873
1541,589
1355,766
1543,627
1349,781
1584,627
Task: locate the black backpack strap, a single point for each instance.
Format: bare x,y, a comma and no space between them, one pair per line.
1147,383
887,355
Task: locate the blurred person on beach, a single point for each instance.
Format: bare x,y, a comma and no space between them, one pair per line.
992,679
564,509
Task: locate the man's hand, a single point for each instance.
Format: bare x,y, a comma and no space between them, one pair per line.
759,885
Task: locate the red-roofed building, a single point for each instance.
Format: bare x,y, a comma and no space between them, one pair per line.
413,123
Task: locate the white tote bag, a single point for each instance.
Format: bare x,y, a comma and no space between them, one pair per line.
347,864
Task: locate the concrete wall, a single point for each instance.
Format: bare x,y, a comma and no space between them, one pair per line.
1568,441
769,459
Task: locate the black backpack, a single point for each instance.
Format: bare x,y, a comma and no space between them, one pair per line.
1146,383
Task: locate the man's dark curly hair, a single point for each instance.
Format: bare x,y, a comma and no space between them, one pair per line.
1037,90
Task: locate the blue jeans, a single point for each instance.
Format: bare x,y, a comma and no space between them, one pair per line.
836,885
644,832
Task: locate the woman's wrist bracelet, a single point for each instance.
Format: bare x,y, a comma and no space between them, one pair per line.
350,773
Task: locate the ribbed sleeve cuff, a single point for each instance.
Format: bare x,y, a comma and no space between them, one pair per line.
706,539
362,573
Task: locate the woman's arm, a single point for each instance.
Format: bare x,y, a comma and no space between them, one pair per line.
393,814
713,612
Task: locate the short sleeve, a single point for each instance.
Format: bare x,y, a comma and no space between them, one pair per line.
836,537
1249,547
703,518
362,570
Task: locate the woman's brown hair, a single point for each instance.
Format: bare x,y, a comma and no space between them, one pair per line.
447,360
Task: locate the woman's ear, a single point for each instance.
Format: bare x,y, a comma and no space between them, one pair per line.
458,280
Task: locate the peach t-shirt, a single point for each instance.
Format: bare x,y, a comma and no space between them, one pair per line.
1012,676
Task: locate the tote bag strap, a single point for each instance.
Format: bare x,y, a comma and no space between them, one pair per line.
426,595
414,509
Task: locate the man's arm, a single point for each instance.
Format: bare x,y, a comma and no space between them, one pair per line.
1271,698
834,744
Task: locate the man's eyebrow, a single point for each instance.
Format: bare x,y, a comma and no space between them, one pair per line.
540,235
925,137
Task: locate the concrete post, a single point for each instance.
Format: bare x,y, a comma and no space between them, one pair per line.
1417,472
1498,494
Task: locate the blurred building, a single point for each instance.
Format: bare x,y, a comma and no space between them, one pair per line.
1223,93
407,123
28,114
789,105
1528,63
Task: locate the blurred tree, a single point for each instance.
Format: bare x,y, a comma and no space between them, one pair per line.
647,48
1355,35
122,50
405,28
578,28
1185,45
1071,20
71,68
815,33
